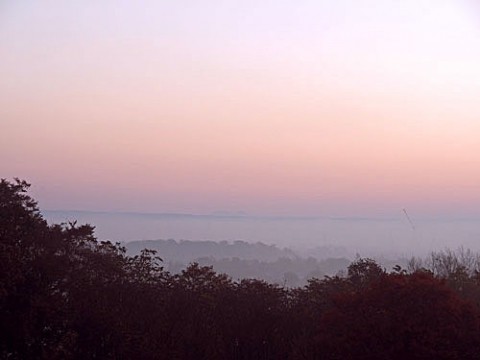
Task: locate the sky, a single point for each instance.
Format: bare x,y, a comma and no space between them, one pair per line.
318,108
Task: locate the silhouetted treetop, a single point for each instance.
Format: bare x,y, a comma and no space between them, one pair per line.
66,295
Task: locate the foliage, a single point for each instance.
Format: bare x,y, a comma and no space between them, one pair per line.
66,295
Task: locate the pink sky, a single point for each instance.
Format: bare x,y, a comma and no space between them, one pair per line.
290,107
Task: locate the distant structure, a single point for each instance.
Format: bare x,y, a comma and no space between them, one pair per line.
408,218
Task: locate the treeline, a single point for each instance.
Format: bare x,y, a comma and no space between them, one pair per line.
240,260
186,251
65,295
285,271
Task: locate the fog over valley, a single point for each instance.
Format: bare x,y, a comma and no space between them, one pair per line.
388,237
240,180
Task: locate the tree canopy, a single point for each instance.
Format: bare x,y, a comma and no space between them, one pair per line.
66,295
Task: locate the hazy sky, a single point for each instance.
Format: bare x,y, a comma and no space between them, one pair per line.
269,107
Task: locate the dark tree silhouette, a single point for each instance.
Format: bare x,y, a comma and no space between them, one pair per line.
401,317
66,295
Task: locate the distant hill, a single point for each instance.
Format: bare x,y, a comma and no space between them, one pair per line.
186,251
240,259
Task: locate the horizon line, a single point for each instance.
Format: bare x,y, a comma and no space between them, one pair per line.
258,217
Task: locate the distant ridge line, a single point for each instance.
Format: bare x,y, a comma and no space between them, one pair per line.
185,215
219,216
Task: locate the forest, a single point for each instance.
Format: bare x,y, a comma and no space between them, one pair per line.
66,295
240,260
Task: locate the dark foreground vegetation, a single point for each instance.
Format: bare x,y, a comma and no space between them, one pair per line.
65,295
